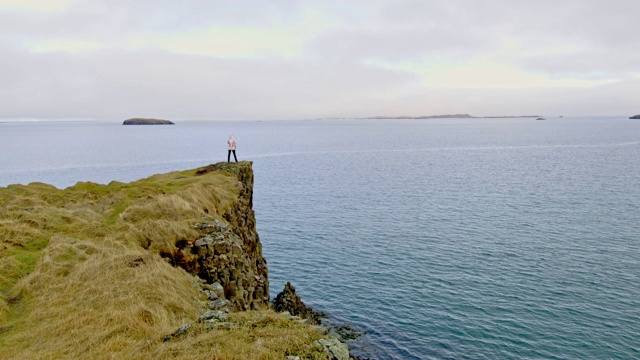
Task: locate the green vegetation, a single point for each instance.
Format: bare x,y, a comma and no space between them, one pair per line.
80,274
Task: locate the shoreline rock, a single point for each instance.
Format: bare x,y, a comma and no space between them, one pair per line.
289,301
338,334
635,117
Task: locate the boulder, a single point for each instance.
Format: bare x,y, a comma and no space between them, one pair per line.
219,304
218,290
215,315
181,331
288,301
336,349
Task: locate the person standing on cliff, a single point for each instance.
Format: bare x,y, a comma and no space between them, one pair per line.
232,148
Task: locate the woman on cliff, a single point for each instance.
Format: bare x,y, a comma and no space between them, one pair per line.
232,147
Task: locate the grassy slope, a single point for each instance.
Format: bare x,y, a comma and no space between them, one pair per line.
80,276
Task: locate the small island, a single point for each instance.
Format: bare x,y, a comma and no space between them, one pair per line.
144,121
635,117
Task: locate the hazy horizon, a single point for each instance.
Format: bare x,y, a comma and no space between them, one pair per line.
285,59
181,120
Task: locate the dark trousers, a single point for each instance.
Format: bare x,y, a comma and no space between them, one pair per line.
229,155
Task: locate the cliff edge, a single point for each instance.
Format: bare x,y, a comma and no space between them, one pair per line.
228,252
163,267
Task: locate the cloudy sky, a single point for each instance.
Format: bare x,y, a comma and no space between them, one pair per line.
286,59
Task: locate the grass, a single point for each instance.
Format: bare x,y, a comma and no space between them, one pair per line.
253,335
81,275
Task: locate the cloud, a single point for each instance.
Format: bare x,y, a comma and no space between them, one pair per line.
288,59
114,83
225,42
482,73
610,99
588,65
34,5
397,45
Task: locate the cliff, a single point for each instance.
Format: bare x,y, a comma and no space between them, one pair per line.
145,121
228,253
162,267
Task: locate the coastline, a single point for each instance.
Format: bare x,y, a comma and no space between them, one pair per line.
183,244
448,116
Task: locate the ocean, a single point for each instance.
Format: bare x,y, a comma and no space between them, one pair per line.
436,238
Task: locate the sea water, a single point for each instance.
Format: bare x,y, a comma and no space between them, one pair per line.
437,238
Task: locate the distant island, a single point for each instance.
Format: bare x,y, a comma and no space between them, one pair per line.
143,121
451,116
635,117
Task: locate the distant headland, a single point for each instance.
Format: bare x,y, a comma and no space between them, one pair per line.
144,121
451,116
635,117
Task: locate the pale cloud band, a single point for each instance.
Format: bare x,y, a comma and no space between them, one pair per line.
292,59
35,5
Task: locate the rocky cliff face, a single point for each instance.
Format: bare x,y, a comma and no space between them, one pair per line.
228,256
288,300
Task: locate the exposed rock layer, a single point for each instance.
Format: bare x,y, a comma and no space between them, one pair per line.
229,254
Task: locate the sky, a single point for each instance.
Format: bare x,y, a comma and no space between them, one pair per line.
286,59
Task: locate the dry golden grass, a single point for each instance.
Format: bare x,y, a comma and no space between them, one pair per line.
254,335
80,275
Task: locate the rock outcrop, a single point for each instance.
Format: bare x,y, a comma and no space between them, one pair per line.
145,121
289,301
228,256
231,259
635,117
334,348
